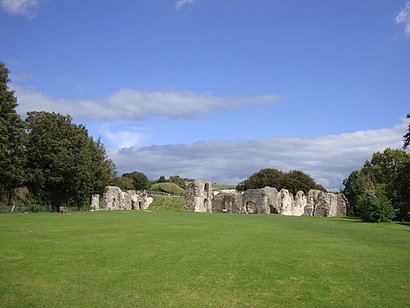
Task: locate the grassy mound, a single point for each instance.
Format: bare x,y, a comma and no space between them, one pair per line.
169,188
167,203
169,258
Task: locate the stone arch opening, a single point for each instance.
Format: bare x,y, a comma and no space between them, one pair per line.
272,210
206,188
250,207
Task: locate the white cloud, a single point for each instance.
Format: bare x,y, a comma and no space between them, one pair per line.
136,104
328,159
403,17
20,7
123,139
181,3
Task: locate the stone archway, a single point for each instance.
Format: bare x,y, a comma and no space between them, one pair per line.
250,207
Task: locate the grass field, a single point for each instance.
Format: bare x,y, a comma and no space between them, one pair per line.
165,257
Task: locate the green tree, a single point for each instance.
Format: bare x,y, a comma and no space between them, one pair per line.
389,172
139,180
265,177
123,182
104,169
402,186
11,138
296,180
353,190
177,180
386,174
64,165
162,179
293,180
374,208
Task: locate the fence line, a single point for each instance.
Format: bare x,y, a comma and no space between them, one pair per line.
158,193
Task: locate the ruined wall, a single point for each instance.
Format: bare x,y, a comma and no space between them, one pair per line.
300,204
254,201
287,202
227,202
264,201
342,205
273,200
115,199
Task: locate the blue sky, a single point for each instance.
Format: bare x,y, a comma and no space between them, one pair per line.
217,89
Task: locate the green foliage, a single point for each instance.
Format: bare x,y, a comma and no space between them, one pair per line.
353,190
169,188
177,180
296,180
168,258
293,180
162,179
387,174
11,138
64,166
374,208
123,182
139,180
265,177
401,184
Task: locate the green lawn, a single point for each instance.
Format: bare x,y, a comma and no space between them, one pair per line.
165,257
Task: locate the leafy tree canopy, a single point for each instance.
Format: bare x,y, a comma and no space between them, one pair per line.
123,182
387,176
11,137
177,180
293,180
375,208
139,180
296,180
64,165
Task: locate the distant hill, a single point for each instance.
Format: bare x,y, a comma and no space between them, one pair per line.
169,188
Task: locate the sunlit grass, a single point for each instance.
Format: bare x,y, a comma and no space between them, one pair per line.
164,257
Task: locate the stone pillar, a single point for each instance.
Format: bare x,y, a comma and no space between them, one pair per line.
95,202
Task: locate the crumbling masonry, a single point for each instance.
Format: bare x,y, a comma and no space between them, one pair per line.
268,200
115,199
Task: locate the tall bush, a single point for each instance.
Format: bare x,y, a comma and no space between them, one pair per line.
374,208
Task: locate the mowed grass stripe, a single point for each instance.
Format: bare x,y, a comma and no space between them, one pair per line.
170,258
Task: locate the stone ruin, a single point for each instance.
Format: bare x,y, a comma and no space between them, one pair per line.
115,199
198,197
268,200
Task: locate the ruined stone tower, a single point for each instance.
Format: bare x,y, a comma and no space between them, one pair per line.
198,197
